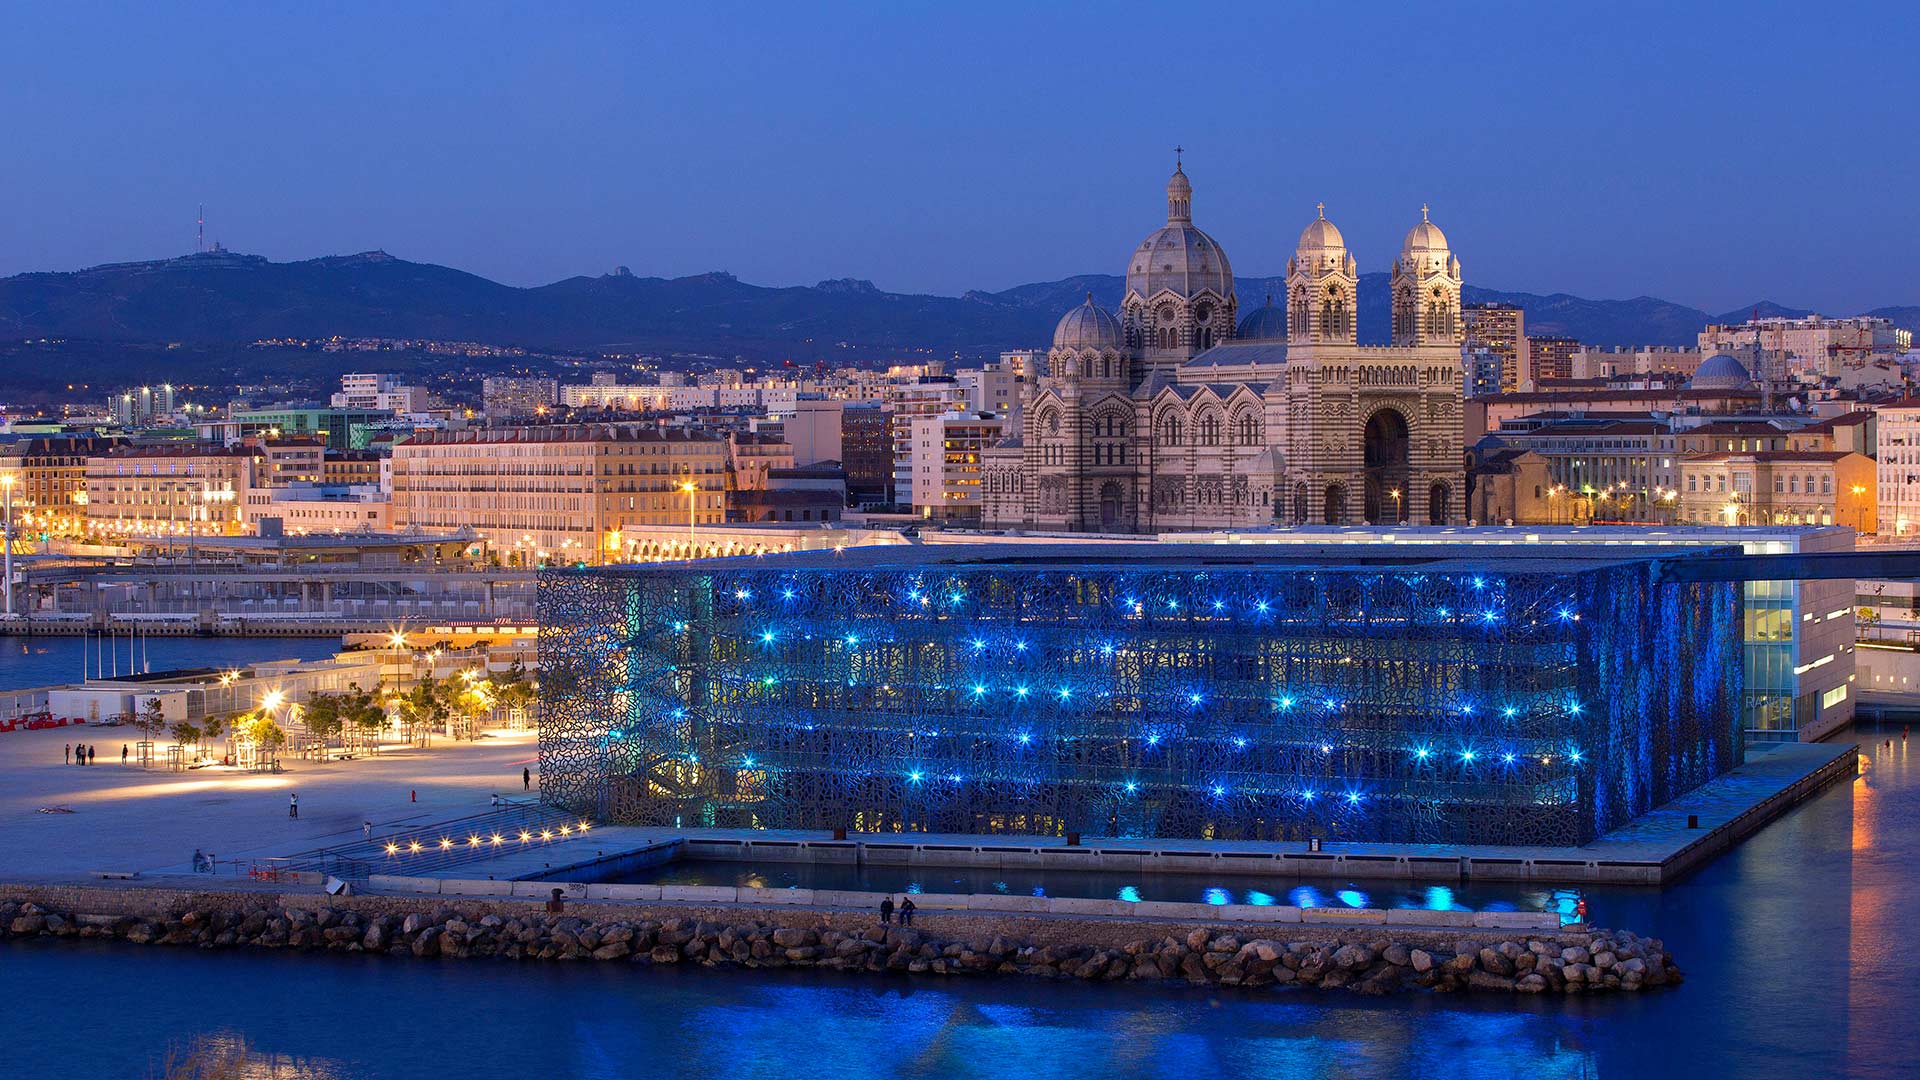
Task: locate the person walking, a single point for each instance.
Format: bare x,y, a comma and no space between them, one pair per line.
293,804
526,779
906,911
69,753
886,911
89,753
123,753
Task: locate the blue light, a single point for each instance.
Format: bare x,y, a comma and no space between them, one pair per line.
1490,616
1565,615
1065,693
1352,898
767,637
1439,898
786,594
1445,613
1153,740
1218,790
1240,742
1574,708
1172,605
955,598
1467,756
742,594
914,776
748,762
1259,899
1261,607
1107,649
1025,738
1307,794
1132,787
1218,604
1020,691
1286,703
1506,759
1194,699
1574,757
1353,798
1466,710
1326,748
1218,896
1479,583
1509,712
1020,646
979,644
979,690
1128,894
853,639
1421,753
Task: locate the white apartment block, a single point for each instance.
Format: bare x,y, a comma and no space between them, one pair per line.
1898,466
945,463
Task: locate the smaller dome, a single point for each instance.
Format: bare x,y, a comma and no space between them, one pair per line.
1088,326
1268,322
1320,235
1720,372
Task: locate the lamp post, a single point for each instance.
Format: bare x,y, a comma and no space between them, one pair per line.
690,488
1859,514
1396,505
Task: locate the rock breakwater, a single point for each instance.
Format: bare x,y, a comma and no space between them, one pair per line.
1365,962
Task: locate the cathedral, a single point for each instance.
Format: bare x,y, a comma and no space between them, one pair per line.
1179,414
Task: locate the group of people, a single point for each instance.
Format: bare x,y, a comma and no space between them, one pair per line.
83,754
906,910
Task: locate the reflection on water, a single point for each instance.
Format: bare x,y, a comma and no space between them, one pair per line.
1128,886
1792,944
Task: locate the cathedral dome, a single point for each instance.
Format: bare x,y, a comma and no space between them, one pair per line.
1178,256
1425,239
1268,322
1720,372
1088,326
1321,236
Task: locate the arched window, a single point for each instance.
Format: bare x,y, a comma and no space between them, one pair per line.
1249,430
1170,430
1297,312
1210,430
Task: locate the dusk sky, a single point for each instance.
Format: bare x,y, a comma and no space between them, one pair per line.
1710,156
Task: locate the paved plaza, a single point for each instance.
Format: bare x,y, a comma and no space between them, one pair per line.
125,818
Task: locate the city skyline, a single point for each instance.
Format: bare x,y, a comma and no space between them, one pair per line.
649,145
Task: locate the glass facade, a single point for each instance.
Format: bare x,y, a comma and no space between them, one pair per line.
1414,696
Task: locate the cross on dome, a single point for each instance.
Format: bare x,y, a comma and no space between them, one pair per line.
1322,208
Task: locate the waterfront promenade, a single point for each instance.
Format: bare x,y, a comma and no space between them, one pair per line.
149,821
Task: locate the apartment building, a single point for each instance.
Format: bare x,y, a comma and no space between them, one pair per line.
561,493
194,488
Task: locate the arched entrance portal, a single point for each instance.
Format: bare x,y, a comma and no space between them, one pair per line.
1109,505
1439,505
1384,451
1336,505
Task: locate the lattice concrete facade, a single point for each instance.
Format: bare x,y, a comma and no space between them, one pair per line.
1416,697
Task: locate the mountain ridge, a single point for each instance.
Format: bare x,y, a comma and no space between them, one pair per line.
224,296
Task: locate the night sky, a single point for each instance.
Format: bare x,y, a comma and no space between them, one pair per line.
1712,155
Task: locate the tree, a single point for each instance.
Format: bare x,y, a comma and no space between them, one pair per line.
324,716
184,731
426,703
152,718
261,730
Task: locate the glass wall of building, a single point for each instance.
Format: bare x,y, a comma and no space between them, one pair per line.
1392,698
